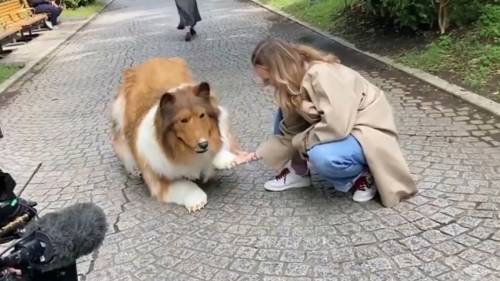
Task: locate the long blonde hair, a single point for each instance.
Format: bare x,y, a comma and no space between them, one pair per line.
287,64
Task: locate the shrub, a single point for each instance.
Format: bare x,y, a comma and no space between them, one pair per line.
405,14
427,14
73,4
489,22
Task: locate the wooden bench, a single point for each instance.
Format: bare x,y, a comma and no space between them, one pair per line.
8,34
16,13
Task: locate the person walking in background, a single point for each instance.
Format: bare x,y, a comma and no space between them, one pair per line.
189,16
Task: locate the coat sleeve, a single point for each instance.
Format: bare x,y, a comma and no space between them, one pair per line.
336,95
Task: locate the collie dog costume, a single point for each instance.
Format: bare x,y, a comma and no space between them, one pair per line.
171,130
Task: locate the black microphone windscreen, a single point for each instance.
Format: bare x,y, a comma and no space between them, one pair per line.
73,232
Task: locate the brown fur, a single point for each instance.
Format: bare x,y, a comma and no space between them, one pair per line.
144,86
186,115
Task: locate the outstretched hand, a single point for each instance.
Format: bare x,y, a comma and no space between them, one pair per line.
243,157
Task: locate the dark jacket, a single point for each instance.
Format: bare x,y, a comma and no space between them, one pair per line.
34,3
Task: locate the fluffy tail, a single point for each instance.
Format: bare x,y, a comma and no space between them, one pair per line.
118,106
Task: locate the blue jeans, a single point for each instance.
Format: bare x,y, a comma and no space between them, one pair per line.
339,162
52,11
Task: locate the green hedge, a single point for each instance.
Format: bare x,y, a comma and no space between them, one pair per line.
489,23
73,4
426,14
413,14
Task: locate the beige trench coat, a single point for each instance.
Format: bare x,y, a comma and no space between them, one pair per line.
342,102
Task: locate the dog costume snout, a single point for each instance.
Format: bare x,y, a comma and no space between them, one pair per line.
203,144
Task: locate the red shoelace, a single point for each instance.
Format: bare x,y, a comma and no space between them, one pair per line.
361,184
282,174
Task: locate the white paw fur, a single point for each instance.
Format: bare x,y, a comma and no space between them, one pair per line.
186,193
224,160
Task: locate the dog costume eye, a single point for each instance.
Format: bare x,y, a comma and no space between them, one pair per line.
202,115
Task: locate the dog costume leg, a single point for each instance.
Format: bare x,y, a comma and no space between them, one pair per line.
182,192
123,152
186,193
225,159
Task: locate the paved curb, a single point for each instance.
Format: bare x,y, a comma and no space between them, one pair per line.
442,84
27,67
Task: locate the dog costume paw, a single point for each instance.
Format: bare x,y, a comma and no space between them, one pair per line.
187,194
225,160
196,201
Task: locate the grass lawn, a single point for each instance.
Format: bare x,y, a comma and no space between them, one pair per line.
469,57
472,56
82,12
6,71
319,14
463,57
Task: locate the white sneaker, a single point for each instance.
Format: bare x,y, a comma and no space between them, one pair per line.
286,180
364,188
49,25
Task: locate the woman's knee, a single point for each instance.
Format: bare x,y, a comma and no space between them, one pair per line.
332,163
325,163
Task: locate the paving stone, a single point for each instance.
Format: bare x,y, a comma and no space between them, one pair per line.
245,252
406,260
292,256
363,238
408,229
410,273
467,240
386,234
473,255
426,224
224,275
342,255
450,247
428,254
367,252
392,247
489,246
455,262
268,255
270,268
244,265
296,269
453,229
415,243
481,232
245,233
442,218
476,270
379,264
435,236
434,268
492,263
469,221
453,276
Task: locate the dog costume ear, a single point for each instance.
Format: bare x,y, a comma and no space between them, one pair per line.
166,103
203,90
167,99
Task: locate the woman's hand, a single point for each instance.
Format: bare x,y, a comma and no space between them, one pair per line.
243,157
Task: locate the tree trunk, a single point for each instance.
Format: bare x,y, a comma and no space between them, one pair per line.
443,19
